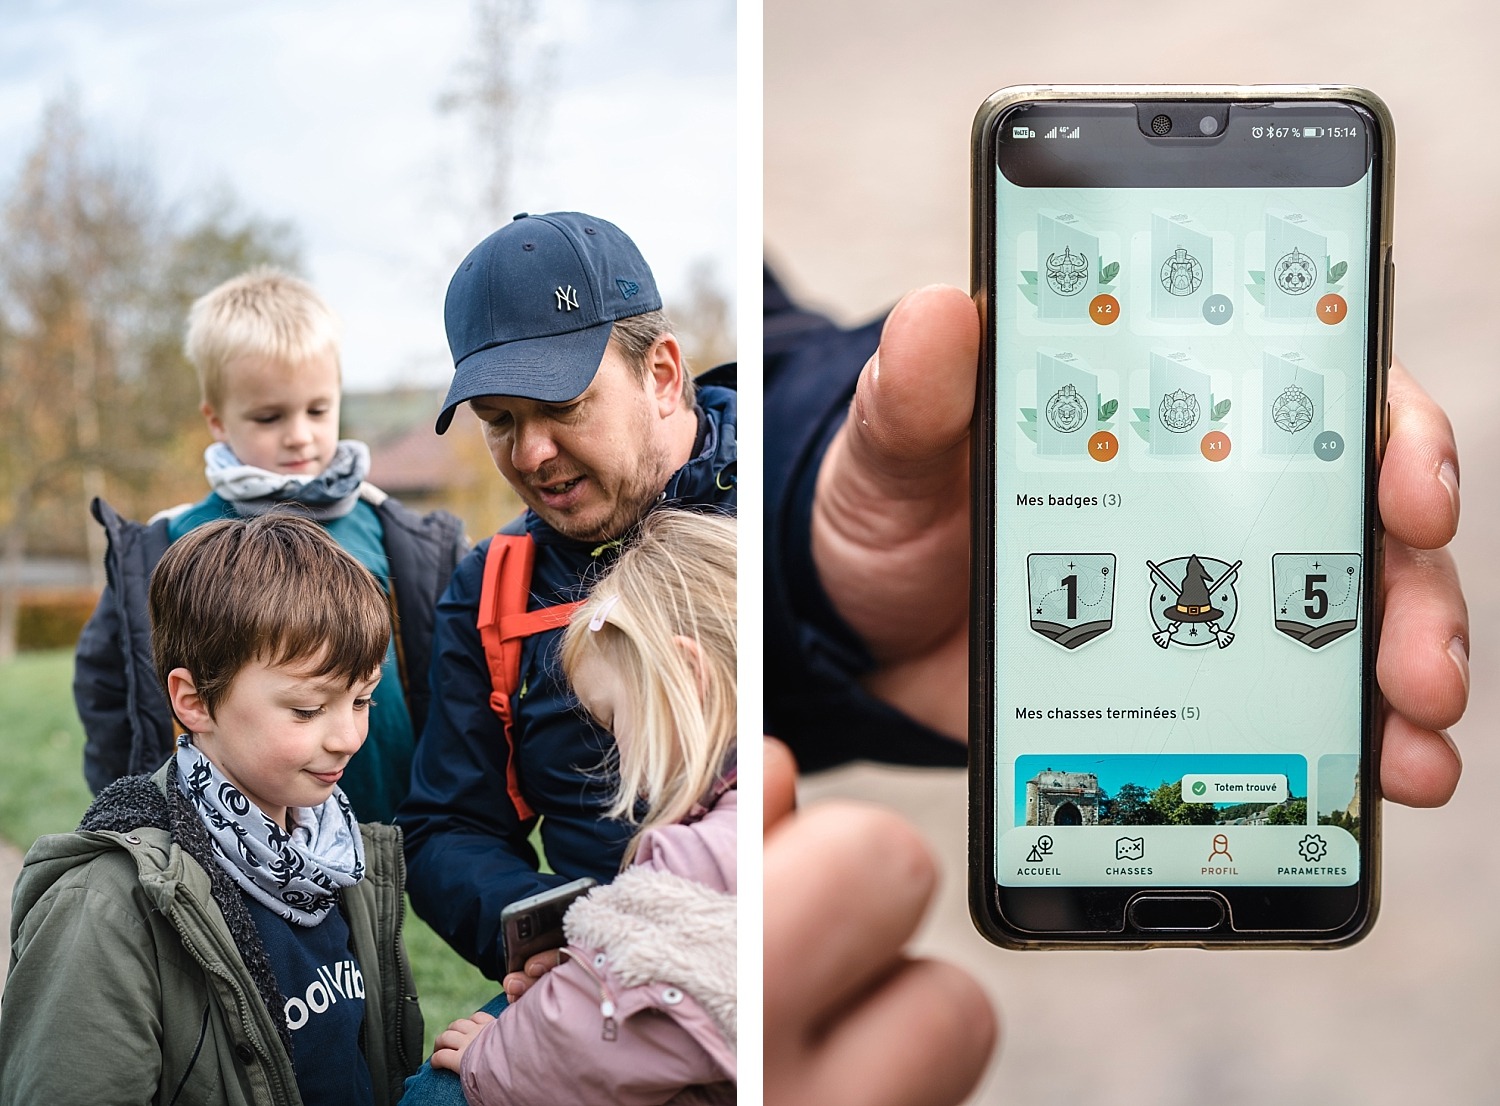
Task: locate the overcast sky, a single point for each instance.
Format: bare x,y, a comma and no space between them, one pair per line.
327,115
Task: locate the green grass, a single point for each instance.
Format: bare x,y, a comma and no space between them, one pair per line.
42,791
41,746
449,986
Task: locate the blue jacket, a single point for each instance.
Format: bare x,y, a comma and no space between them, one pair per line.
467,848
127,722
813,661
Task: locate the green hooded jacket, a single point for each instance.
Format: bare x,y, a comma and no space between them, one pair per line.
136,975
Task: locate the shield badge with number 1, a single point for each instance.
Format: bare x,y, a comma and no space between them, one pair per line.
1317,595
1072,596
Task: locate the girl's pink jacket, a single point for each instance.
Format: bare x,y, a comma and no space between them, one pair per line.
642,1009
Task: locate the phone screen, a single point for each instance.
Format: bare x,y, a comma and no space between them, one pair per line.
1184,438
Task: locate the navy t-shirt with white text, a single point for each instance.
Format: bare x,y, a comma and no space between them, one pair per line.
325,1005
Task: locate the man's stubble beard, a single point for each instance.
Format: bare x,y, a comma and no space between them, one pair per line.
637,494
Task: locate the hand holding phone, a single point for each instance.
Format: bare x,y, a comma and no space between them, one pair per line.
896,464
1177,550
535,924
518,983
890,521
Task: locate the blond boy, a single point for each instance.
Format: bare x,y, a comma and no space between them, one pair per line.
266,349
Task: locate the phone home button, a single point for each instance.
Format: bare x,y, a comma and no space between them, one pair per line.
1176,913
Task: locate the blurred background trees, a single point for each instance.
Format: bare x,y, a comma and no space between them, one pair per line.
96,397
98,269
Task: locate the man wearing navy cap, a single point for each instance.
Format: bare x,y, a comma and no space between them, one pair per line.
561,349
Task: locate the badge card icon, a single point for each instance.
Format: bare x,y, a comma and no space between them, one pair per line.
1068,410
1293,410
1193,601
1067,272
1181,273
1317,595
1066,256
1296,253
1293,397
1072,596
1182,256
1181,398
1179,411
1069,406
1296,273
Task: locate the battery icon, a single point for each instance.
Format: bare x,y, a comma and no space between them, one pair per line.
1312,132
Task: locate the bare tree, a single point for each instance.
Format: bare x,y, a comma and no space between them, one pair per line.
704,322
499,82
74,237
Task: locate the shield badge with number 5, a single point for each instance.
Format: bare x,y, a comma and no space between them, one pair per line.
1072,596
1317,595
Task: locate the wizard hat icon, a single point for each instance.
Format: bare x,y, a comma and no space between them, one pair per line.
1194,604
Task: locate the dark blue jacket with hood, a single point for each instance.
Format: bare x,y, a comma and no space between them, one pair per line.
467,848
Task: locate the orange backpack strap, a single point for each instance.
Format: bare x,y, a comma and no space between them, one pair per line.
504,623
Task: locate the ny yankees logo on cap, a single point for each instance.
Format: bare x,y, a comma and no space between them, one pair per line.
567,298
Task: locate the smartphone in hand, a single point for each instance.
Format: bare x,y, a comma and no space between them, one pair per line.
1186,299
535,924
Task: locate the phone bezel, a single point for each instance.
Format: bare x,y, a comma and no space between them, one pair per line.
1257,917
547,907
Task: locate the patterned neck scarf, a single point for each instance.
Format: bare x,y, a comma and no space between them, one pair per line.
254,491
297,875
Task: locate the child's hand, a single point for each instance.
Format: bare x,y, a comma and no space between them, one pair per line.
448,1048
518,983
849,1017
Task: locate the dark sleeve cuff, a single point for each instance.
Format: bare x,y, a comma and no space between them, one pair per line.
813,660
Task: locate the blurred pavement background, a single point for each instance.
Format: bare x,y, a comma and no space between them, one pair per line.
868,105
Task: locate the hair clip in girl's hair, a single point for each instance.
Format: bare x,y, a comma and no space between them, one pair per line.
597,622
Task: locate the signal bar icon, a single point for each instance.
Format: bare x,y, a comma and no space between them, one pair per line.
1062,132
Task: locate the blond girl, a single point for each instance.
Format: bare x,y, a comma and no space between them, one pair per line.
640,1006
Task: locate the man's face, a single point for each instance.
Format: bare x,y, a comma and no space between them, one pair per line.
278,416
589,466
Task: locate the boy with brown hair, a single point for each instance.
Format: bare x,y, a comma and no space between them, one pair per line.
234,924
265,347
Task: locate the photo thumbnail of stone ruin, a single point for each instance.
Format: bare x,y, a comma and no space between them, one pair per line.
1059,798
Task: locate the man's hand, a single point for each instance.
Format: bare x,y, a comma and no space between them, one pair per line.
891,524
849,1018
1423,666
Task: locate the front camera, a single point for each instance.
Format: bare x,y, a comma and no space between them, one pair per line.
1208,124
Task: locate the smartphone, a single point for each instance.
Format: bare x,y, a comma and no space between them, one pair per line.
1186,296
535,924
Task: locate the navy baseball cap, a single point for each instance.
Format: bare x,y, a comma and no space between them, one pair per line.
531,308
